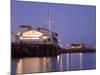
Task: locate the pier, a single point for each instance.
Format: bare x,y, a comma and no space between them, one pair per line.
43,50
78,48
34,50
84,50
41,42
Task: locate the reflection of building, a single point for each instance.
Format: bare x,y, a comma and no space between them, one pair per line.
77,46
37,35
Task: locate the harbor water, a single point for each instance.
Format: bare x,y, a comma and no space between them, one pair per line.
62,62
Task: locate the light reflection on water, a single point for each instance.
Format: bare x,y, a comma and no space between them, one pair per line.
63,62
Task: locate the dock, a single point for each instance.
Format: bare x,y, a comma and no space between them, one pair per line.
34,50
43,50
81,50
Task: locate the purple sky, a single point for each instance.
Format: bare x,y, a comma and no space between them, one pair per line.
73,23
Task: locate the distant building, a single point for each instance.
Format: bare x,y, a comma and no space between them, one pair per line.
37,35
77,46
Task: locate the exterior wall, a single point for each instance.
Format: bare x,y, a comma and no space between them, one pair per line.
31,41
35,42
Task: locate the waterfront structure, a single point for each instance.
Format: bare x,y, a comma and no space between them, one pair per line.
77,46
35,42
37,35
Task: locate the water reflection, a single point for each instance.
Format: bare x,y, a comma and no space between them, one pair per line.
67,62
63,62
81,61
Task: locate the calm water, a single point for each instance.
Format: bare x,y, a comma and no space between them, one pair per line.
63,62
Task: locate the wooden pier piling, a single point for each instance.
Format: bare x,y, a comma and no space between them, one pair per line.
37,50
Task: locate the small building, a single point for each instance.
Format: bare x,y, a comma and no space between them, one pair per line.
77,46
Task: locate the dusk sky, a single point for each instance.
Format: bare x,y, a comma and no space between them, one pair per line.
73,23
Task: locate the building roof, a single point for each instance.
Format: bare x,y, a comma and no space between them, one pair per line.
25,26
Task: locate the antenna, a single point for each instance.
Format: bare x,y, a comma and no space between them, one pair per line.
49,20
